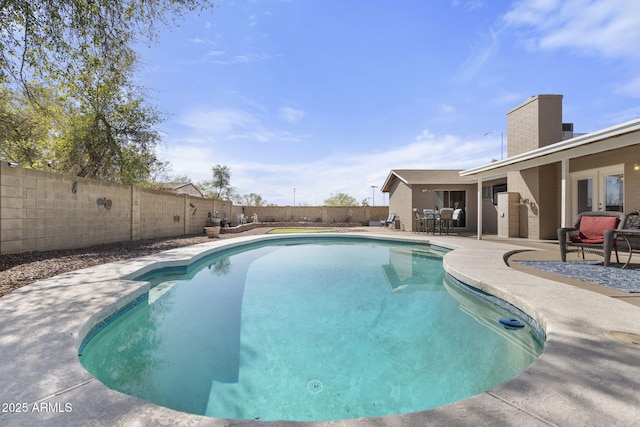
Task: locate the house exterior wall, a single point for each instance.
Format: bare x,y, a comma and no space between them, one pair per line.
631,188
536,123
424,197
401,203
533,124
509,214
548,200
627,156
190,190
404,198
489,209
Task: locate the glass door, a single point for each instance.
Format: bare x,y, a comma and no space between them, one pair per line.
598,190
455,199
613,190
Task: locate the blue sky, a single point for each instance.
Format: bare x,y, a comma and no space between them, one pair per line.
327,96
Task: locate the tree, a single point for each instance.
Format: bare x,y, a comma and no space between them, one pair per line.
43,38
23,130
221,180
340,199
219,186
251,199
69,68
108,132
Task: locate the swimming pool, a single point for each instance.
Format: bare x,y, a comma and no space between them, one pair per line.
308,329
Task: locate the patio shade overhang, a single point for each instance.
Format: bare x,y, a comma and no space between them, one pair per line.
619,136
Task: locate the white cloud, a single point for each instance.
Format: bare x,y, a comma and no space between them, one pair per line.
355,173
315,179
219,121
469,4
605,27
480,54
237,59
291,115
447,109
509,99
225,125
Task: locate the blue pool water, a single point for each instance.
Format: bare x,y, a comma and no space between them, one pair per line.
309,329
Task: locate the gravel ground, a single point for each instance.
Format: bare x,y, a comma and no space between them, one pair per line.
17,270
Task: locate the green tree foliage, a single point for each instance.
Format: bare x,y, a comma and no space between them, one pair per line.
341,199
219,187
251,199
67,70
221,181
44,38
24,129
109,132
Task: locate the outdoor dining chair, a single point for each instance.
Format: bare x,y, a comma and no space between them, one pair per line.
446,216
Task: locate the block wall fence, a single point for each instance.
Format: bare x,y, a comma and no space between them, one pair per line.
42,210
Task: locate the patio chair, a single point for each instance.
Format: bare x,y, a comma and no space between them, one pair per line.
429,220
419,221
457,215
628,234
446,216
390,220
588,233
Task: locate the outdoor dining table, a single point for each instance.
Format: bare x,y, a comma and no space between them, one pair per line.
430,221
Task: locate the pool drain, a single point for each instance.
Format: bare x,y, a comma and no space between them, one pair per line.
314,386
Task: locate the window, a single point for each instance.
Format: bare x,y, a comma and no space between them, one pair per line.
500,188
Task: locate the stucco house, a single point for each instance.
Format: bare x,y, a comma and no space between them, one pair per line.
181,188
548,176
434,189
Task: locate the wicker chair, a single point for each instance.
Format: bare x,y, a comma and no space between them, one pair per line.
588,233
629,233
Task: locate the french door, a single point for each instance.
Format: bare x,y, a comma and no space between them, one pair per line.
598,190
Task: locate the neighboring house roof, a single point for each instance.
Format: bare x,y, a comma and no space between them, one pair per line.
181,188
425,177
619,136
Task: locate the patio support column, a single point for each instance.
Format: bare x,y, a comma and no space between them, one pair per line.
565,194
479,208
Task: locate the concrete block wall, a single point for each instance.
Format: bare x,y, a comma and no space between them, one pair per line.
41,210
161,216
320,214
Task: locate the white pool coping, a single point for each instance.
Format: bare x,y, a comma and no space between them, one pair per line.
584,377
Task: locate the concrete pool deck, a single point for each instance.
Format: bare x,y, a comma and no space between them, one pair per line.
585,376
